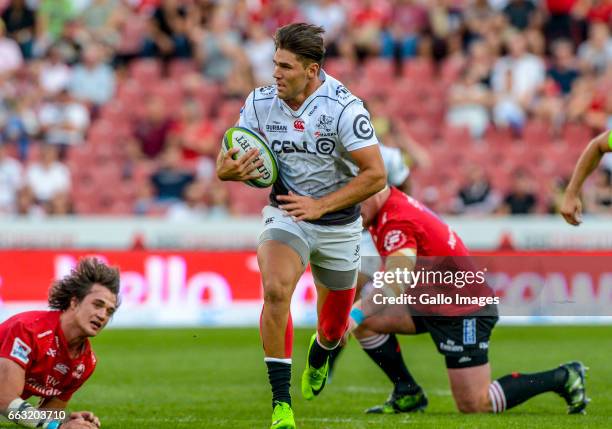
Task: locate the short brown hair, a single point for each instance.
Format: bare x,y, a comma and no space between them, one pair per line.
304,40
79,282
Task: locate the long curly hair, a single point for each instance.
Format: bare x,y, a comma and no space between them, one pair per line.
78,283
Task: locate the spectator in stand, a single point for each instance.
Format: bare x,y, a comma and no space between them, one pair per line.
193,132
63,120
171,179
93,81
469,102
596,52
330,15
26,204
516,79
53,72
20,22
476,196
192,208
20,126
218,201
10,181
561,24
259,49
102,18
59,205
564,70
168,32
52,16
400,37
598,196
279,13
367,21
520,13
218,47
10,54
152,130
521,199
49,176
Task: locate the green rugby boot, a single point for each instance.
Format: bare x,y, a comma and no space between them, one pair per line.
282,416
397,403
313,379
574,391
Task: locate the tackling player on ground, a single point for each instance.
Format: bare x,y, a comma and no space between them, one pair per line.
47,353
329,161
405,231
571,207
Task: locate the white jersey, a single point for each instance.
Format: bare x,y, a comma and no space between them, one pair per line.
312,144
397,170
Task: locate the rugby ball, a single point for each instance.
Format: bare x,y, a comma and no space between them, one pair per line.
245,140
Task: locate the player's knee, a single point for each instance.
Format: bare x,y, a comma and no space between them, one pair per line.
277,291
471,405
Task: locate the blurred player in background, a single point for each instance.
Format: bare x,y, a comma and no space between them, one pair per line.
571,207
47,353
405,232
329,161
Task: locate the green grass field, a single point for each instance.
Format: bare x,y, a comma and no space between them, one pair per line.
215,378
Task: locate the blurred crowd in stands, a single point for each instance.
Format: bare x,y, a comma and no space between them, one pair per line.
118,106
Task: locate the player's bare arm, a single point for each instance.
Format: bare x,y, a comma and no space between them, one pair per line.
371,179
12,380
571,207
238,170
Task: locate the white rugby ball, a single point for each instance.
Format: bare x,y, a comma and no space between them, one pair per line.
245,140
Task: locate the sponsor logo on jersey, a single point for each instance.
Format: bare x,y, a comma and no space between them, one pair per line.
298,124
276,128
40,390
52,352
394,240
61,368
79,371
314,109
44,334
323,146
362,128
269,221
342,93
52,381
267,90
21,351
325,123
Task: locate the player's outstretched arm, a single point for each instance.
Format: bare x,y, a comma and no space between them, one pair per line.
238,170
571,207
15,409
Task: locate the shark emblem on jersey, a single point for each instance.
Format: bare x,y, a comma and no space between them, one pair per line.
324,122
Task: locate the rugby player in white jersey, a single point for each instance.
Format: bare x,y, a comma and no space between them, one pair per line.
329,161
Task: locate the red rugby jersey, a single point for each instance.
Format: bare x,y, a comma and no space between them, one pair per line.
35,341
405,223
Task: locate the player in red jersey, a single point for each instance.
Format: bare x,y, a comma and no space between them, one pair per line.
411,238
47,353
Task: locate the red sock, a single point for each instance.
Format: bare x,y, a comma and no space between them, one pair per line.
334,316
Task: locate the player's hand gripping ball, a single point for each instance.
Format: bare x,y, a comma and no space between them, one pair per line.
245,140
